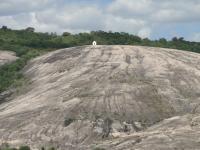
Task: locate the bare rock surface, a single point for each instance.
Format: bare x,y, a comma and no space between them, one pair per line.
7,57
111,97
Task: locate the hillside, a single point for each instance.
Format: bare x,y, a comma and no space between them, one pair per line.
29,44
112,97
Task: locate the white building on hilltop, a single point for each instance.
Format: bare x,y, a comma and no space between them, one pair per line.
94,43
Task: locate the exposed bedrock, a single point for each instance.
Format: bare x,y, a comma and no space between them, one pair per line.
114,97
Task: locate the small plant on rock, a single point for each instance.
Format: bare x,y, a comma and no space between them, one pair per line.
24,148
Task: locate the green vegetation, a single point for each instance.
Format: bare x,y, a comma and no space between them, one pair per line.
6,146
98,148
28,44
68,121
24,148
10,74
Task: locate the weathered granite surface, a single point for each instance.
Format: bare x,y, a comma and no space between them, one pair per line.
112,97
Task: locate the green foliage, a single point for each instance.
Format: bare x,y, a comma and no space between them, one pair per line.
68,121
10,74
52,148
8,149
5,146
66,34
98,148
24,148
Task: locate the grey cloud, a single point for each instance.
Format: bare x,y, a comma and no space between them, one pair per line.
194,37
124,25
47,15
14,7
158,10
130,8
139,17
75,17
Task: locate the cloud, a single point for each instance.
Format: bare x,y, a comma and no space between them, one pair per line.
195,37
122,24
13,7
167,11
144,33
141,17
130,8
73,18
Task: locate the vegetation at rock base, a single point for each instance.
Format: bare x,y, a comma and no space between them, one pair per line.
28,44
6,146
98,148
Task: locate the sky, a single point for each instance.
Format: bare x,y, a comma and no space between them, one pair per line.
153,19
